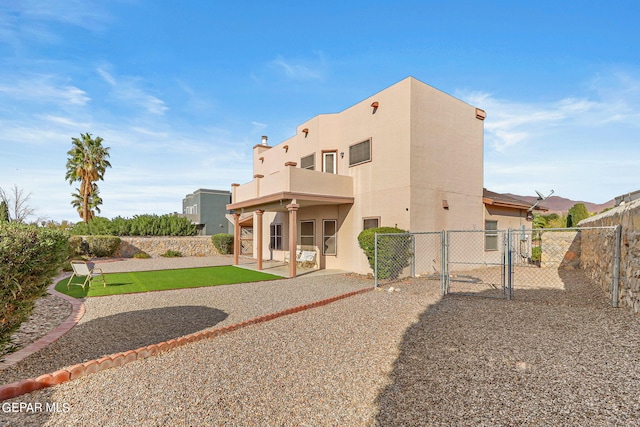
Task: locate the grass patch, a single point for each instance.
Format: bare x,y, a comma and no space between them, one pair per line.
162,280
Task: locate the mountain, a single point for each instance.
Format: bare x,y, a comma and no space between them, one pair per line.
559,204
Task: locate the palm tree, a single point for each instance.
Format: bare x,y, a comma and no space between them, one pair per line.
94,201
87,163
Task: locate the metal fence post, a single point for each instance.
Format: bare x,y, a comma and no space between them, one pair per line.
413,255
375,260
616,265
445,262
510,265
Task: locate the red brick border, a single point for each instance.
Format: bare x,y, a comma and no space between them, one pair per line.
16,389
77,311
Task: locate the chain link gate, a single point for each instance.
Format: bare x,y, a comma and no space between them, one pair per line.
490,263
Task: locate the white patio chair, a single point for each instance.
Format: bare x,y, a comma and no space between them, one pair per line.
307,259
82,269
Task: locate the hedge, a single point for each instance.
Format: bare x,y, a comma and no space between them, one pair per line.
139,225
30,257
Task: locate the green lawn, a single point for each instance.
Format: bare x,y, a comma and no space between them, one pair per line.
160,280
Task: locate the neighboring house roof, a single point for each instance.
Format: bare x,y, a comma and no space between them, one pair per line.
503,200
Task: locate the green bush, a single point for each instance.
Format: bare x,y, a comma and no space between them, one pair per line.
139,225
29,259
172,254
536,254
77,246
102,246
393,254
142,255
223,243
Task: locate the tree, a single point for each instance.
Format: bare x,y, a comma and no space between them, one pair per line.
87,163
4,212
94,202
15,205
577,213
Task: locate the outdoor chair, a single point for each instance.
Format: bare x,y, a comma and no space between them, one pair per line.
83,269
307,259
286,256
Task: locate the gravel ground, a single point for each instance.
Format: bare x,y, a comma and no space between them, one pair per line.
550,357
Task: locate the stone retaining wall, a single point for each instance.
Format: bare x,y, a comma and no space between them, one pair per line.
598,251
156,246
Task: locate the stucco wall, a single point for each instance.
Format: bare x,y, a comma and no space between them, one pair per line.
156,246
598,247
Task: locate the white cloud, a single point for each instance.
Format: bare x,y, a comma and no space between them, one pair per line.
126,89
44,88
301,69
582,146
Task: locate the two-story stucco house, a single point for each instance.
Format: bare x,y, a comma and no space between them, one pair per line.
409,156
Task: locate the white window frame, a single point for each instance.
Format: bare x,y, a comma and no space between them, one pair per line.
307,236
490,235
333,236
334,154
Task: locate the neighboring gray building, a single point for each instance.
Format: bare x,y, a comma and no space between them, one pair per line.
207,209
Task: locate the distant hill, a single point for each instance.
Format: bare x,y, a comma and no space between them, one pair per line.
559,204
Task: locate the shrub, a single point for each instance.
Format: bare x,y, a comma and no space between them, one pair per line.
139,225
29,259
536,254
172,254
102,246
77,247
393,254
223,243
141,255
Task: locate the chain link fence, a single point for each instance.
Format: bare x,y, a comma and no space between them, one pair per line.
403,255
497,263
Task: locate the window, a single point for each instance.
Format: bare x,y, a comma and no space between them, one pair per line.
276,237
368,223
491,235
329,234
307,233
329,159
360,153
308,162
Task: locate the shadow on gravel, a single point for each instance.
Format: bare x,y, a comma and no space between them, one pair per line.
114,334
548,357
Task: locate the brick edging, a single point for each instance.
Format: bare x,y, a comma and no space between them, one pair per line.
19,388
77,311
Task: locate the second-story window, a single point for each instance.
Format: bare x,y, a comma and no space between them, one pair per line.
308,162
329,162
360,153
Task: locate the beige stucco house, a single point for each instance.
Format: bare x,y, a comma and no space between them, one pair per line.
409,156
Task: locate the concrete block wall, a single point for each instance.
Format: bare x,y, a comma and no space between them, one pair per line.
598,247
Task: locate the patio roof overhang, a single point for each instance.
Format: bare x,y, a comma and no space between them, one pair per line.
277,202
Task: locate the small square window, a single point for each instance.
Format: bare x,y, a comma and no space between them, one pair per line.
308,162
368,223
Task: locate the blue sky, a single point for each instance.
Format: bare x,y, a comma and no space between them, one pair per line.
181,91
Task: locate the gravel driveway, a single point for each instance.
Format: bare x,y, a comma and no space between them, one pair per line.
550,357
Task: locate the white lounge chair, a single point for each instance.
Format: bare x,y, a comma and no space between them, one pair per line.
82,269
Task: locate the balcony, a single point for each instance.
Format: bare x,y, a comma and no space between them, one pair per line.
305,187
